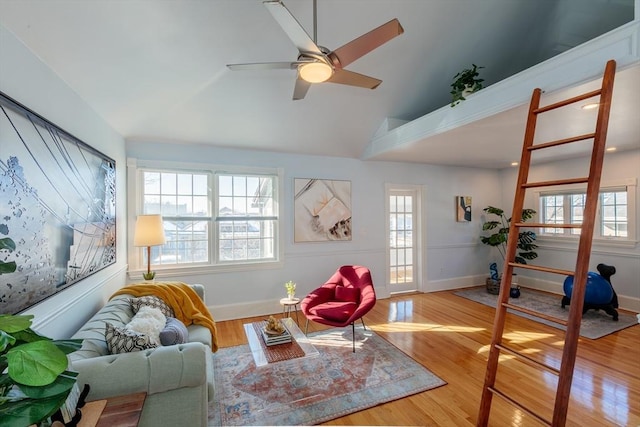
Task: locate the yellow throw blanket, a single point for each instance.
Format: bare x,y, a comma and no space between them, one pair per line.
184,301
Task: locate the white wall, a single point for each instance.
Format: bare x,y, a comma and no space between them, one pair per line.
26,79
616,167
453,256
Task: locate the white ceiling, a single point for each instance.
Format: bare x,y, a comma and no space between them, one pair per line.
156,70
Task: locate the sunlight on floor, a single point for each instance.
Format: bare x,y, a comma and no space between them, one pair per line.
417,327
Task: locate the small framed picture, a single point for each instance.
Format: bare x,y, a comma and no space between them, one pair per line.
463,208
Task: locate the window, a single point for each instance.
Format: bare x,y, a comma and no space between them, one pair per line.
210,218
246,218
182,198
615,217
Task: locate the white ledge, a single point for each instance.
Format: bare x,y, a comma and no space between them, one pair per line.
576,66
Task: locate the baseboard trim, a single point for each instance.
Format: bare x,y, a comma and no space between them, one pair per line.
268,307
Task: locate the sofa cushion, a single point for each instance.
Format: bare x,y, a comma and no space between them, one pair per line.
123,340
148,321
174,332
118,312
344,294
334,310
152,301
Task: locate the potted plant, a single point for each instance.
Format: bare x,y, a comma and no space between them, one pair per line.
465,83
34,381
498,239
290,286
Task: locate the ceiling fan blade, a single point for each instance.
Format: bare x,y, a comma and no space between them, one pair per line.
345,55
345,77
302,86
291,26
265,66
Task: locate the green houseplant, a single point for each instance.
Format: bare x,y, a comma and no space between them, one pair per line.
290,286
34,381
498,239
465,83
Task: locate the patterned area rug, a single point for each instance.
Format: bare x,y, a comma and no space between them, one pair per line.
595,324
312,390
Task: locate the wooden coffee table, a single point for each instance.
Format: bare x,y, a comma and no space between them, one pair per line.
258,351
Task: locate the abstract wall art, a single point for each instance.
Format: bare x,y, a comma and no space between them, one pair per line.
463,208
322,210
57,208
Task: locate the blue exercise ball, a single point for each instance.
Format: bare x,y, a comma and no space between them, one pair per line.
598,290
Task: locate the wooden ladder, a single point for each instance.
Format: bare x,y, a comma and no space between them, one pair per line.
565,373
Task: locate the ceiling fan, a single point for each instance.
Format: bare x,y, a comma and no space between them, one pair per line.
317,64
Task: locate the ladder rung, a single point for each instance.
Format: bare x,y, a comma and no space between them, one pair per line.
556,182
536,314
528,359
568,101
544,269
562,141
518,405
543,225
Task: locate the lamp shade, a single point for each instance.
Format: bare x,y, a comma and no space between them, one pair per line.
315,72
149,231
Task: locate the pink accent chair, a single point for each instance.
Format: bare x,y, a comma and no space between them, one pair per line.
344,298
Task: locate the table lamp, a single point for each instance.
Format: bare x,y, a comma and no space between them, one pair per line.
149,232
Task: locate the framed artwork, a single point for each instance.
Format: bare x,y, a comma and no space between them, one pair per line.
463,208
322,210
57,208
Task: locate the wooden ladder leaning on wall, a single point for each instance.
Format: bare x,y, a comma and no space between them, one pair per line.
565,373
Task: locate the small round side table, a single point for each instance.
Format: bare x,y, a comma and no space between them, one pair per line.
288,305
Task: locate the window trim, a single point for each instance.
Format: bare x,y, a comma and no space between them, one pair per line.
606,186
134,208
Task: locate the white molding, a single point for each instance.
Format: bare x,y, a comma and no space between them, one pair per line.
578,65
254,309
62,310
455,283
625,302
272,306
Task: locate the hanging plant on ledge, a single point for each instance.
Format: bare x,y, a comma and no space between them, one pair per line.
465,83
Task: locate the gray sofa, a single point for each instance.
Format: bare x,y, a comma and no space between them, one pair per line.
178,379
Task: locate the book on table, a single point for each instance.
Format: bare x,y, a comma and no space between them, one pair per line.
270,338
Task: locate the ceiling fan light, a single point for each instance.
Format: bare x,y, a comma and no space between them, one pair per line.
315,72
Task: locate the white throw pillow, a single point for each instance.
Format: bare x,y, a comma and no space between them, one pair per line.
148,321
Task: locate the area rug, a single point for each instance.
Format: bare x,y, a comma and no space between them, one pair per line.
307,391
594,325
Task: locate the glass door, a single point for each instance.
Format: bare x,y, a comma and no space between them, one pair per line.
403,239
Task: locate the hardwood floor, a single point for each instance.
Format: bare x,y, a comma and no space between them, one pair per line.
450,336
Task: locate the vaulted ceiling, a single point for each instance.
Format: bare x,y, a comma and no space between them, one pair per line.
156,70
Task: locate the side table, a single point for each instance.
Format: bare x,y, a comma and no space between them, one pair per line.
288,305
115,411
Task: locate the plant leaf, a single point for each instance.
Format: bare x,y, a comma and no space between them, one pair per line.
6,340
7,267
61,384
490,225
36,363
29,411
493,210
527,214
29,335
10,323
8,244
68,346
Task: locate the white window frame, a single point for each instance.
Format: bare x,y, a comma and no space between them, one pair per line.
609,186
134,202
